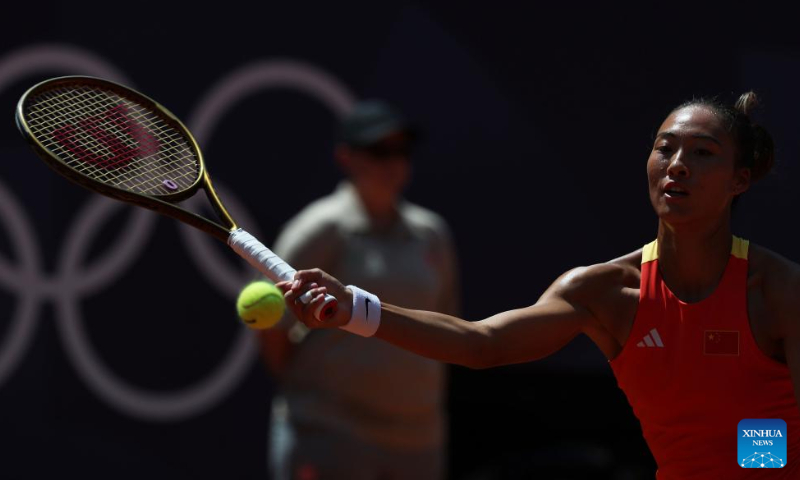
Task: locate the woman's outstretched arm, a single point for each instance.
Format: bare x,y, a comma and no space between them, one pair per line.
514,336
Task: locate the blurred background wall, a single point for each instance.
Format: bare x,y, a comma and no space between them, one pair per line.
538,121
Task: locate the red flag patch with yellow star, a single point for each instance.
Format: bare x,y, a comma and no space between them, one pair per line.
721,342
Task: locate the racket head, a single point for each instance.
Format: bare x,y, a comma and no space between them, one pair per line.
111,139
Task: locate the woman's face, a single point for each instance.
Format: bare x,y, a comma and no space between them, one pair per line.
692,168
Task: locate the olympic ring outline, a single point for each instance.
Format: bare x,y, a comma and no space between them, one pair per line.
70,281
29,285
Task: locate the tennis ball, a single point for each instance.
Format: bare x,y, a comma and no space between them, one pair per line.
260,305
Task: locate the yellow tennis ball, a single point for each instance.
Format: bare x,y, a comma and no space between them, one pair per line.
260,305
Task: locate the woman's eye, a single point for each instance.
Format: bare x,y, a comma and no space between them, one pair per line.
665,149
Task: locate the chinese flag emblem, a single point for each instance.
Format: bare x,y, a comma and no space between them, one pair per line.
718,342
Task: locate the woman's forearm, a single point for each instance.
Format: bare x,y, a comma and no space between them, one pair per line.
435,335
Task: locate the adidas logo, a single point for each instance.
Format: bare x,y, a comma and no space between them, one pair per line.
653,339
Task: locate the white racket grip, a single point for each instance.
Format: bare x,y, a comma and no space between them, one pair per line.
273,266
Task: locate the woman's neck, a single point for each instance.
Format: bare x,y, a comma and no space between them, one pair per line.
692,260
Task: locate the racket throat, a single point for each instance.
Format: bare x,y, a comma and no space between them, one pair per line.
216,203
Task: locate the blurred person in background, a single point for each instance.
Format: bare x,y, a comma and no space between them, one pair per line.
350,408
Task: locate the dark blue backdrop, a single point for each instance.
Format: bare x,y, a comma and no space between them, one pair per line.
538,124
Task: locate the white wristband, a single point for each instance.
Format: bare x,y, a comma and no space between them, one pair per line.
366,315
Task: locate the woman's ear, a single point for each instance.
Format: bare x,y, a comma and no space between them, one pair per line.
741,182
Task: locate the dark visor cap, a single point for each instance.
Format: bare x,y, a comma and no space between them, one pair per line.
371,121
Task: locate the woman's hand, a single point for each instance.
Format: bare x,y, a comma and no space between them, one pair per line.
318,283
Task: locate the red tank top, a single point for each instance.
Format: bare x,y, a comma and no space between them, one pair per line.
693,371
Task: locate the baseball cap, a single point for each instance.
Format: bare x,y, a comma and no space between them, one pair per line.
370,121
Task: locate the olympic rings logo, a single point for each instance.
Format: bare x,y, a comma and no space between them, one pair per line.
73,281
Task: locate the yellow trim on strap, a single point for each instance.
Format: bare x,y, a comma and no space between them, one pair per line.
739,249
650,252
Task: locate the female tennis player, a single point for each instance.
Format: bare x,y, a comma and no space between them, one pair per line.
701,328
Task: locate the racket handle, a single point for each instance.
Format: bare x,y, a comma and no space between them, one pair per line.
277,270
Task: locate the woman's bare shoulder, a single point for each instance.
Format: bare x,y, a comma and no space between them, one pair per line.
776,277
613,275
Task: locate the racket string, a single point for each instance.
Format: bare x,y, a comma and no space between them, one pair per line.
113,140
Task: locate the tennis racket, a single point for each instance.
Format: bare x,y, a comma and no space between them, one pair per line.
119,143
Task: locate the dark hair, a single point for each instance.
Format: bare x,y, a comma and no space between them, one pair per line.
755,145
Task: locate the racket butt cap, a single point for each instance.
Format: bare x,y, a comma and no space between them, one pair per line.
327,310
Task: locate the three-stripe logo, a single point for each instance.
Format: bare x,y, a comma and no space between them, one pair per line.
652,339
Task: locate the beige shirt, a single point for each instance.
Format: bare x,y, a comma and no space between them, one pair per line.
365,386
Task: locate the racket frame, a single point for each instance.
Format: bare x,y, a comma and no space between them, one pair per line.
229,233
163,204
